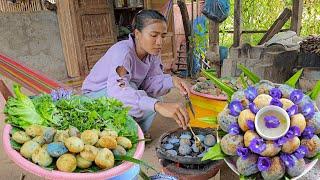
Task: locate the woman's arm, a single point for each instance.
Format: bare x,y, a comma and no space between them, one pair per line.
158,84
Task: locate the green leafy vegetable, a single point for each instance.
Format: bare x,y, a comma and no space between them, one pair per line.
253,77
315,91
214,153
100,113
47,110
20,111
294,79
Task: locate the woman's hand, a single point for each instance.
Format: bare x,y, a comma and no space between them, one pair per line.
173,110
181,85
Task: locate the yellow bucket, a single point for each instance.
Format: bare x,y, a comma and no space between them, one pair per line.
205,105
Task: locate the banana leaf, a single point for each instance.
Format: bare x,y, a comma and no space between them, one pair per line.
294,79
253,77
133,160
214,153
224,87
315,91
209,120
143,175
243,82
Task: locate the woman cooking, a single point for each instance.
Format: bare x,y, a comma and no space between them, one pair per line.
131,71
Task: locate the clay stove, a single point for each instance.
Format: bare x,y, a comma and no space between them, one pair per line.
186,168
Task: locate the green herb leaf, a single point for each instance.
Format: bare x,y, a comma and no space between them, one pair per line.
294,79
214,153
209,120
253,77
315,91
224,87
133,160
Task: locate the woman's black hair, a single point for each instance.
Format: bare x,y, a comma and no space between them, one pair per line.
146,17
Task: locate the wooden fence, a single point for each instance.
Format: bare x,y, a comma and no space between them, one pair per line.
27,5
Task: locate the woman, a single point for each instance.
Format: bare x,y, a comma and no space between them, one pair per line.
131,71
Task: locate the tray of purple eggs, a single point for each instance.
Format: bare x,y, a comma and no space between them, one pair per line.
272,132
179,145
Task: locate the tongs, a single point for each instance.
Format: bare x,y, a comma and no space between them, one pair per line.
196,138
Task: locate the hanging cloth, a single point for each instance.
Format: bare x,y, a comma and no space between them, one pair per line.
216,10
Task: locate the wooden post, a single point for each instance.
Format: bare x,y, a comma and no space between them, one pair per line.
276,26
214,56
187,29
237,23
296,16
69,38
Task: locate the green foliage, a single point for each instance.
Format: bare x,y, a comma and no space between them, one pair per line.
224,87
20,111
260,15
214,153
294,79
315,91
253,77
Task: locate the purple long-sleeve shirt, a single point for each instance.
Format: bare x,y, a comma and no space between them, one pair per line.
140,87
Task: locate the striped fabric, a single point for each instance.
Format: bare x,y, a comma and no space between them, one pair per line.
28,78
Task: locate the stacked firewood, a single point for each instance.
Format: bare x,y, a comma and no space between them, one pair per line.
311,45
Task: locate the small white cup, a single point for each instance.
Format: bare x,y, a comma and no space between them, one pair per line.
269,110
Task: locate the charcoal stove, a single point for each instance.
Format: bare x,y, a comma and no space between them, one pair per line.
190,167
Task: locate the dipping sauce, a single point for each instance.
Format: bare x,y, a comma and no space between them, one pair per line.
272,133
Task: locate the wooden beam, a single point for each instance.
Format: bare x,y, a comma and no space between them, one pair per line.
237,23
187,30
214,57
297,9
69,38
276,26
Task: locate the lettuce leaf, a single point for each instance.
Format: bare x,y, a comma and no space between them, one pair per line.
20,111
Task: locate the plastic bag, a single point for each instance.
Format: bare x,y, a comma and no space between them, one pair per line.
216,10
